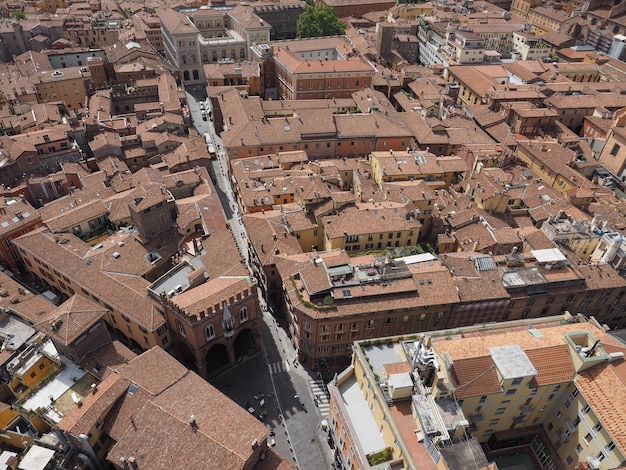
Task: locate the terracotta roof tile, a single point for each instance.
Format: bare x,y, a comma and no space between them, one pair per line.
475,377
104,360
604,388
82,419
553,364
71,319
75,259
149,372
166,397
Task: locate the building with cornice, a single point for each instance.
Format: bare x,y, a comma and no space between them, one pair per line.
210,35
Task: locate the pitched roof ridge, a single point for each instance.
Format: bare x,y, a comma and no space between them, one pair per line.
186,423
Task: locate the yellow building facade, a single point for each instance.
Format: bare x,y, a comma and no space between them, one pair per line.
439,172
550,387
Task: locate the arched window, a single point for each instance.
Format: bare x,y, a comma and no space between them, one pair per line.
196,76
242,53
205,58
181,329
214,56
184,59
209,24
209,331
193,58
186,75
243,314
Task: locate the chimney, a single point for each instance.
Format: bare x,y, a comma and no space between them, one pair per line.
193,423
94,388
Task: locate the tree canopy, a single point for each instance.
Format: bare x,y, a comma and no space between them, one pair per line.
319,21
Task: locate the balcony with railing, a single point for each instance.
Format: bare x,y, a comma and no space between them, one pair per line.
526,409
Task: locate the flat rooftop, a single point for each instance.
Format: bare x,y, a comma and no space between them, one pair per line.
358,413
381,354
14,332
62,382
176,280
512,362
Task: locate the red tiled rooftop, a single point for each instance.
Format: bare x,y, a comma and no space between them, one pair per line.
474,377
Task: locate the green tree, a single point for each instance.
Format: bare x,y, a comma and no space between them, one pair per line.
319,21
20,15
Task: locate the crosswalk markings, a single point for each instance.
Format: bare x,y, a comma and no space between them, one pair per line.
319,393
276,367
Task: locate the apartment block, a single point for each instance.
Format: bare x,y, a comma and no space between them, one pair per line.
546,161
240,73
209,35
70,85
150,26
580,236
536,387
18,217
282,16
43,151
314,68
439,172
546,19
529,47
355,8
322,128
371,228
97,32
135,318
332,300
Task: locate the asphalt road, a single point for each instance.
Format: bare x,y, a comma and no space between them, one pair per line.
271,385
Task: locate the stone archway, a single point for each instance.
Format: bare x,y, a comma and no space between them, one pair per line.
186,357
121,336
135,346
244,344
216,358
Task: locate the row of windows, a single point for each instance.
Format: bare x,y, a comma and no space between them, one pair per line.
336,348
354,326
192,59
306,146
320,84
